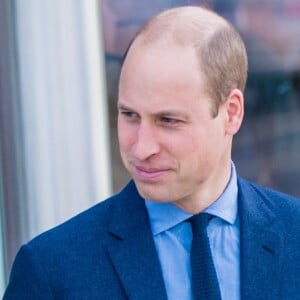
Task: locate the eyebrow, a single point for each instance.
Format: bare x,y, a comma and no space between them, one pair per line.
164,112
124,107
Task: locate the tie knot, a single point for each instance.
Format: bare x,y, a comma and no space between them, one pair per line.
199,223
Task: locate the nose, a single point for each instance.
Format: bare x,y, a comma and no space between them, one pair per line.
146,143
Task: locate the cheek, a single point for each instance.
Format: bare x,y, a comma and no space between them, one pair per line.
126,136
184,147
196,148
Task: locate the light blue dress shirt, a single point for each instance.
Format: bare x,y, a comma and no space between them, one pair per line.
173,237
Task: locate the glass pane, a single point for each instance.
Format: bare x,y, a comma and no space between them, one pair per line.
266,148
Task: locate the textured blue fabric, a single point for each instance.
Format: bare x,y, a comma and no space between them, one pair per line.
205,283
108,252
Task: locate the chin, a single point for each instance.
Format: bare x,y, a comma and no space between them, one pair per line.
153,194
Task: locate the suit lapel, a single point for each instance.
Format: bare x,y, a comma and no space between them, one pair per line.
131,248
261,246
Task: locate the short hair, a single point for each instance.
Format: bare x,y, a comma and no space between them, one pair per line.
219,48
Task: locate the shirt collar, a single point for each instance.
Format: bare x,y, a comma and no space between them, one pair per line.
164,216
226,206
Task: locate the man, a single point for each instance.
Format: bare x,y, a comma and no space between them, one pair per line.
180,104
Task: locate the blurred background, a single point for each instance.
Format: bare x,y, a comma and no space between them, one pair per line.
59,67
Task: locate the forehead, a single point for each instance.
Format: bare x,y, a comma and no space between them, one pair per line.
161,76
161,45
162,62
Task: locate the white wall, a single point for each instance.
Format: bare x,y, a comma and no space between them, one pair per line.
62,94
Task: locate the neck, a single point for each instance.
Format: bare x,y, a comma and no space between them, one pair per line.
207,194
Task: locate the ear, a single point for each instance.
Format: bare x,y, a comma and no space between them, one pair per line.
234,109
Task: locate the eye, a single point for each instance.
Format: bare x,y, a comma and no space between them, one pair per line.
128,115
169,121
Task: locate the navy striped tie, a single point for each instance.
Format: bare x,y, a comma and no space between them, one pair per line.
204,277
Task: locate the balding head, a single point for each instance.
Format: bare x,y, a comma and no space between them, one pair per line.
221,53
186,25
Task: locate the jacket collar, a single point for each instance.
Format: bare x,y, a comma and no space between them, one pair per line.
261,244
132,250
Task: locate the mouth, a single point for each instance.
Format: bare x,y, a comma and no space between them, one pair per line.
143,173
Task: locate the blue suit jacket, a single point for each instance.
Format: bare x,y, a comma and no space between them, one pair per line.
107,252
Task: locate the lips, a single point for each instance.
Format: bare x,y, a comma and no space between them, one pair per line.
144,173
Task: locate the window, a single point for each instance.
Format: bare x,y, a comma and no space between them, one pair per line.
267,146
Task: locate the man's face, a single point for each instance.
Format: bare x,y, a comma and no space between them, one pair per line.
169,142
